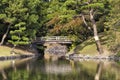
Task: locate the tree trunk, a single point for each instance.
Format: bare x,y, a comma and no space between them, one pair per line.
83,18
12,51
5,35
96,37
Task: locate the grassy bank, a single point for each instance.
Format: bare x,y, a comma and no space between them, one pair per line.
5,51
89,46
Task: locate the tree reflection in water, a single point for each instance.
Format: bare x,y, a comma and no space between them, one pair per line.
32,69
3,74
98,70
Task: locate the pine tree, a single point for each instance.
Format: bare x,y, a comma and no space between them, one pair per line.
91,8
23,19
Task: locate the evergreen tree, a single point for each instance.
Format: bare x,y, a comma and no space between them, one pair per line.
23,19
114,16
62,20
113,24
93,8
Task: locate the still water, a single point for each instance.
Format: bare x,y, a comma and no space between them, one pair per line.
40,69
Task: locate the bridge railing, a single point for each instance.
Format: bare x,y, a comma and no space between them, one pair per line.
54,38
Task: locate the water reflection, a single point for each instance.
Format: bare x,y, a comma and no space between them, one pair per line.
34,69
10,64
98,70
53,68
3,74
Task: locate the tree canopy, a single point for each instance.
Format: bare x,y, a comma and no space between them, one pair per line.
21,21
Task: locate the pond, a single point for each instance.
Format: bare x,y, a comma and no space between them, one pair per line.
62,69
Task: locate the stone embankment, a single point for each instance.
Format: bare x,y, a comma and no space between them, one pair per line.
54,51
15,57
93,57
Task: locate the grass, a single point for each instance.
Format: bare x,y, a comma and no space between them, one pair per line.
5,51
89,46
89,49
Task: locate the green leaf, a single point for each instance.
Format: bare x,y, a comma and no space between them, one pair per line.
93,5
25,38
20,24
14,37
2,16
33,18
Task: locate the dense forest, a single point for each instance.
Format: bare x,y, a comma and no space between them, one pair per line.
21,21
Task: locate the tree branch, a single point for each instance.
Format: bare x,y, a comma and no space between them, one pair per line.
83,18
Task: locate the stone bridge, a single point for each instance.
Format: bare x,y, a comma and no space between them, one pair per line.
55,45
53,39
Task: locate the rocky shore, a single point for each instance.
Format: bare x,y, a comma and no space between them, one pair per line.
93,57
15,57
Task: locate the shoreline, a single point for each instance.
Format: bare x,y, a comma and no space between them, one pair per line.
15,57
19,53
92,57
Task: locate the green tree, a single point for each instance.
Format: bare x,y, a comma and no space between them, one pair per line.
114,16
9,14
113,24
23,18
94,9
62,20
5,18
68,16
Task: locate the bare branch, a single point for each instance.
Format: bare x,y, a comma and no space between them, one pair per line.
83,17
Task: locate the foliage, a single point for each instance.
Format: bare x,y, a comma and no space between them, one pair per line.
18,36
114,16
24,17
62,20
113,24
35,18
